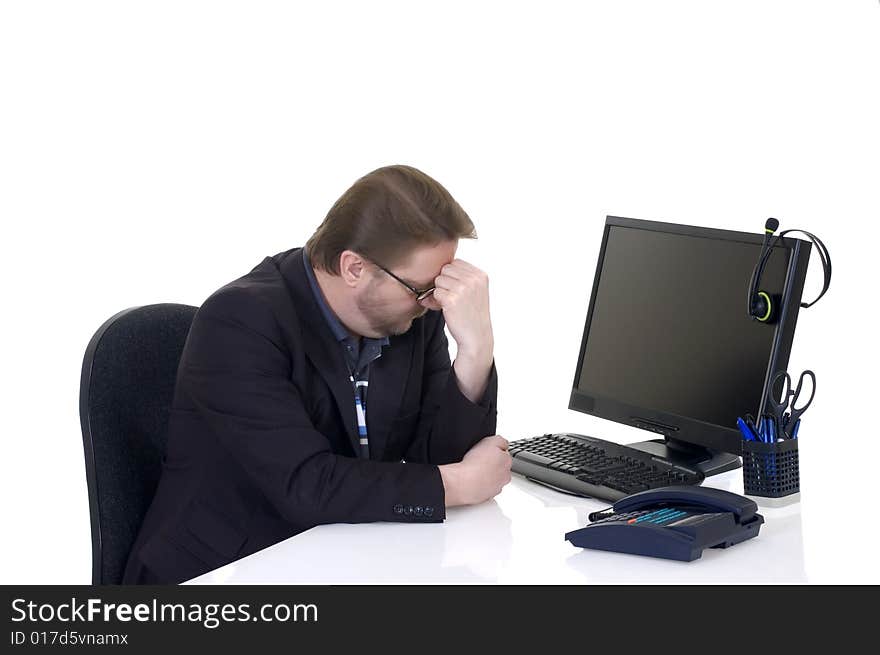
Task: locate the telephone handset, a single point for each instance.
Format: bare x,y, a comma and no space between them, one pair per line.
699,497
675,522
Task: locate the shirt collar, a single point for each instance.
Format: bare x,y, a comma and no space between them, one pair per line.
339,331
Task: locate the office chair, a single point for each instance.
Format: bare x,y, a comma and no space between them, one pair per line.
128,376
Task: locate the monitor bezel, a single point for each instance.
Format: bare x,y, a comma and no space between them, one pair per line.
677,428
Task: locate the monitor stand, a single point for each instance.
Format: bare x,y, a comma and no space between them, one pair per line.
710,462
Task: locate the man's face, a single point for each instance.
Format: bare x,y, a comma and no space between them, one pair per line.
387,305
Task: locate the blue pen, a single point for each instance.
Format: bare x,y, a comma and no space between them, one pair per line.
794,430
753,430
746,430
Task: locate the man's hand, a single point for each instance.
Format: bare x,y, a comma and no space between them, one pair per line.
480,475
462,294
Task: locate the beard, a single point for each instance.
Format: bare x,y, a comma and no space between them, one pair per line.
382,320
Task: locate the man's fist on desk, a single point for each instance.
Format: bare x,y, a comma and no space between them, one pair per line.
480,475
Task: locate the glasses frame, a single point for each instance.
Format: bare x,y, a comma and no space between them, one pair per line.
420,294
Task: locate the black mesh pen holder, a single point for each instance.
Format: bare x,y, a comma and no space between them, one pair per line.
770,469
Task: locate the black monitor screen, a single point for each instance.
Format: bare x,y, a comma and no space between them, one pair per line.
669,329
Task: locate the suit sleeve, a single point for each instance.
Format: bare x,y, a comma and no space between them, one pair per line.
449,424
236,374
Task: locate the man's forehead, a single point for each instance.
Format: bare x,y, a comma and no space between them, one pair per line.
424,263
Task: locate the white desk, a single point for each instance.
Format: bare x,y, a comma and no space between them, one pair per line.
517,538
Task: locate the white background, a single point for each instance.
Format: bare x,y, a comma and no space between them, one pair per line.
151,152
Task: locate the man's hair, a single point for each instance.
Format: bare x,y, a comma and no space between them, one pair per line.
384,215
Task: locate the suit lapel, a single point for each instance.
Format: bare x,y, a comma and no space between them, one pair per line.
388,376
329,360
388,373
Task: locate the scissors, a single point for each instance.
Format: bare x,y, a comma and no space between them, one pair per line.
785,413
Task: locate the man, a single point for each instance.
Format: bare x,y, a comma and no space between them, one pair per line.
318,387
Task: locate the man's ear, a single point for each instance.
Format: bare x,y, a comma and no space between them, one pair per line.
352,268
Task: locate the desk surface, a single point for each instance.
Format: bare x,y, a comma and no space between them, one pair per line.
516,538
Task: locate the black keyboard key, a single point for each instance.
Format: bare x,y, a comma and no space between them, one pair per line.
591,478
534,458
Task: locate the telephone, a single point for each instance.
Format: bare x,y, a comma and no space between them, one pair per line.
675,522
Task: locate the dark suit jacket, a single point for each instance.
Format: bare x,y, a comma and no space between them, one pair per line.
263,433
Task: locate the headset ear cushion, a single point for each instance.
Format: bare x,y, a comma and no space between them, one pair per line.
762,306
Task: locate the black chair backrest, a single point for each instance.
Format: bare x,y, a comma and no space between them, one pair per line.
128,377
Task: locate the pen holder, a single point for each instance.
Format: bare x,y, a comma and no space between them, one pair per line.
770,469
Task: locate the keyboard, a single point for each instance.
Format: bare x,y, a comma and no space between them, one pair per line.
587,466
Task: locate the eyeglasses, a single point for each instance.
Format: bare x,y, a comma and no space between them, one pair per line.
420,294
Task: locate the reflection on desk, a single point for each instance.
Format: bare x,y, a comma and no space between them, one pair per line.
471,547
518,538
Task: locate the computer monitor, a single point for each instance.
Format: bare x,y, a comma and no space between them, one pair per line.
669,345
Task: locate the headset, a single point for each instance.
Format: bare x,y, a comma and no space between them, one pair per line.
763,307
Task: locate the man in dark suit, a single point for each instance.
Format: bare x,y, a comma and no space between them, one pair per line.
318,387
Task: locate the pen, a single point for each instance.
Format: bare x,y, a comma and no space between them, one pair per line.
746,430
750,421
794,430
